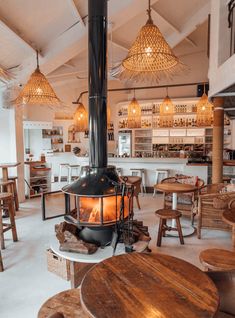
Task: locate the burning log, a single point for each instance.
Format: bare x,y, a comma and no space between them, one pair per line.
67,235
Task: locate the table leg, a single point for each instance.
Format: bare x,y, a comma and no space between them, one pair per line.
5,174
77,272
186,229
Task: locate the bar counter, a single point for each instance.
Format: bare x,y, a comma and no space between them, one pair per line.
174,165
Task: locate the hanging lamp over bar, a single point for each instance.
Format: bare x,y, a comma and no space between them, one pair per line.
37,91
167,109
204,110
134,114
150,57
81,118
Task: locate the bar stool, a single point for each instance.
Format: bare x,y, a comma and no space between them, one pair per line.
63,166
140,173
16,199
10,186
164,215
6,202
71,168
160,175
1,263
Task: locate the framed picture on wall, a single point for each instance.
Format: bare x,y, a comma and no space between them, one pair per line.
67,148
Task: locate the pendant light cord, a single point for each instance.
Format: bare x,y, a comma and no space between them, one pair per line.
149,13
37,59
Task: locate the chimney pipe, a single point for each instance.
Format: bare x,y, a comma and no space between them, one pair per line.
97,48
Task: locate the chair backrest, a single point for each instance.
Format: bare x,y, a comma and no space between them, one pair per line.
212,188
231,204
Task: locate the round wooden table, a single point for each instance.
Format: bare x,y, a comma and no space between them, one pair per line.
175,188
218,259
143,286
229,218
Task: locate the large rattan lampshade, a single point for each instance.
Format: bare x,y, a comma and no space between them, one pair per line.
134,114
204,111
81,119
150,57
37,91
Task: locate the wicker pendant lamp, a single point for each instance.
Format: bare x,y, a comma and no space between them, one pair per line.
150,57
81,118
134,114
204,111
37,91
167,109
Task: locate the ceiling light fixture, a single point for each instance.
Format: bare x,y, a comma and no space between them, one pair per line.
204,110
167,109
37,91
81,118
150,58
134,114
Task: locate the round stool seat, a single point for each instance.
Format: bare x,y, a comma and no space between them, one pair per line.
12,178
5,196
74,166
67,303
168,214
218,259
6,183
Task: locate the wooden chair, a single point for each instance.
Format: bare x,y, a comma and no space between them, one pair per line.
10,187
6,202
136,182
15,192
211,205
186,202
1,263
164,215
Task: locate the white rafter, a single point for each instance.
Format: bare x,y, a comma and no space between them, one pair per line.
75,11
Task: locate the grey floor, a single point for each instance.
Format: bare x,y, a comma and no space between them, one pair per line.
26,284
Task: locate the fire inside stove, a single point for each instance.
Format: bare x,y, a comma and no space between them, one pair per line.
103,210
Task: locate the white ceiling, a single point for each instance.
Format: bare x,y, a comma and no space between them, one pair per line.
58,28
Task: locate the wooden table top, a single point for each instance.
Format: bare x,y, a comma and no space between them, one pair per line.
218,259
175,187
142,286
9,165
228,216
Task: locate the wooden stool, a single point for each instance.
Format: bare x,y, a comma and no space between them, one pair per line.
136,183
6,202
164,215
16,199
67,303
10,187
140,173
1,263
216,259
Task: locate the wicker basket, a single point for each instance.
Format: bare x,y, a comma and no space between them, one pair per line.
58,265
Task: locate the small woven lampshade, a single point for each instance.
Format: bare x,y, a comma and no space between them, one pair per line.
204,111
134,114
81,118
37,91
166,113
150,57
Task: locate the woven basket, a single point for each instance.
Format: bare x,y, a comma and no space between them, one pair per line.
58,265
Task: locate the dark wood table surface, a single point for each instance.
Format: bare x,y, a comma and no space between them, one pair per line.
175,187
146,286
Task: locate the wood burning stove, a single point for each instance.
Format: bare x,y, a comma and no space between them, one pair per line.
101,201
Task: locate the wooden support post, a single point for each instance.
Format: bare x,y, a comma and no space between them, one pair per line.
218,141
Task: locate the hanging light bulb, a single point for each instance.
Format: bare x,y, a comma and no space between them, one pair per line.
204,110
81,118
167,109
38,91
134,114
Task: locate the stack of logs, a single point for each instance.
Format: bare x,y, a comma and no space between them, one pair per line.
135,235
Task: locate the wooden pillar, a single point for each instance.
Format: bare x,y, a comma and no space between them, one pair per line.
218,141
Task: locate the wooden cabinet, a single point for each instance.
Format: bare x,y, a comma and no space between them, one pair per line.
37,178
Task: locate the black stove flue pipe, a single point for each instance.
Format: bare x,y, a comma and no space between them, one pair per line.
97,51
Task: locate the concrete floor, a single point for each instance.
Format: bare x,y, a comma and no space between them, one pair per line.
26,284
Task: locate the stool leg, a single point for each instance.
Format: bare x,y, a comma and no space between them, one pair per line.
154,191
60,173
159,236
1,231
16,196
137,201
70,175
12,220
1,264
179,231
164,224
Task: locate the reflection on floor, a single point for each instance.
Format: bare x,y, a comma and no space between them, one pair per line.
27,283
